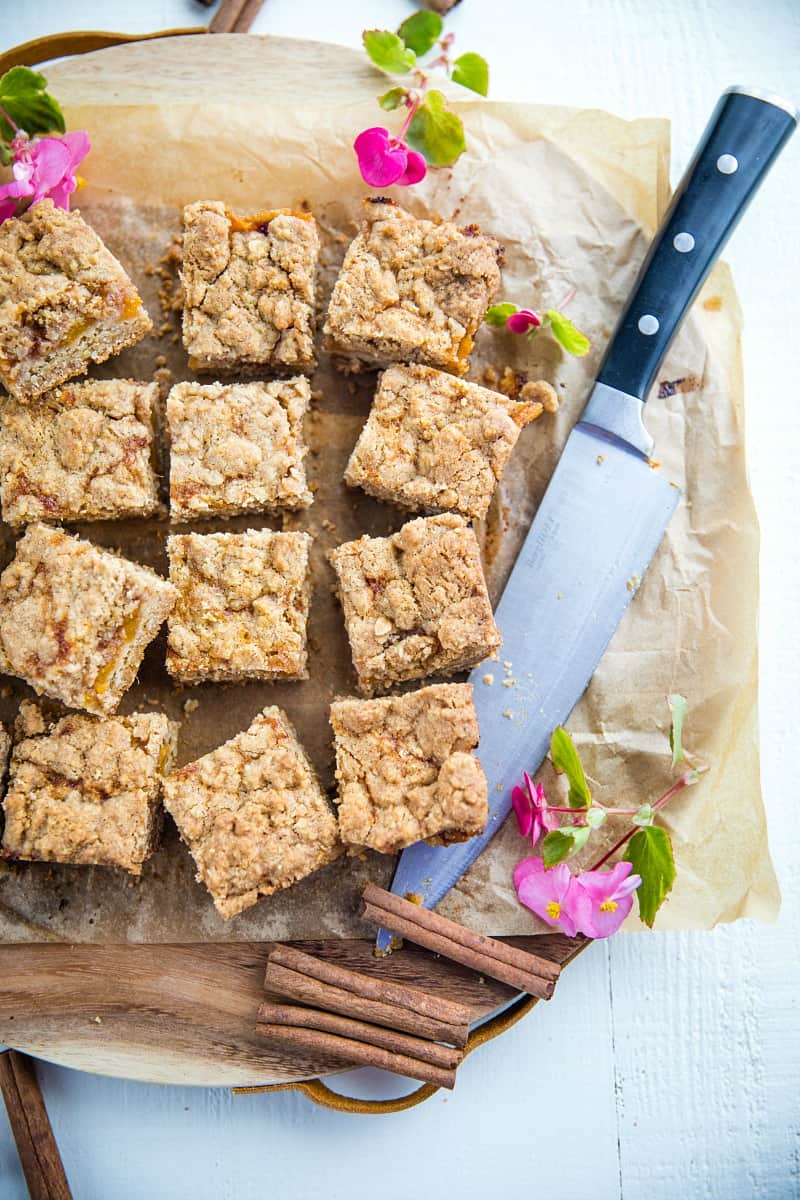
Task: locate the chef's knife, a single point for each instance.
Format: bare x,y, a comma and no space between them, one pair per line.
605,510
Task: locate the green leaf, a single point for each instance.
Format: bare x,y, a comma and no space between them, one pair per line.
555,847
644,816
388,52
650,854
24,99
498,314
565,333
392,99
421,30
436,132
596,816
472,71
677,706
565,759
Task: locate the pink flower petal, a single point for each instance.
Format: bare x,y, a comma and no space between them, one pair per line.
550,894
78,145
522,808
380,162
522,321
416,170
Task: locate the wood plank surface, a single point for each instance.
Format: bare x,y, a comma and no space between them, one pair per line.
187,1014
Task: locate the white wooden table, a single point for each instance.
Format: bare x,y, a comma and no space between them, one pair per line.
670,1063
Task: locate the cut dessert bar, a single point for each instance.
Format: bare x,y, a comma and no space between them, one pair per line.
84,451
411,291
75,619
237,448
242,605
436,443
253,814
415,603
86,791
405,771
65,301
249,285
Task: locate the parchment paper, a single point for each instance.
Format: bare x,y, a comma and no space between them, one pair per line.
574,195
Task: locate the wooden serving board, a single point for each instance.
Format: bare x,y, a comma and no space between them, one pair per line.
186,1014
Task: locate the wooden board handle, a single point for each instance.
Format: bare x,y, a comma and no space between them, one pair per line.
80,41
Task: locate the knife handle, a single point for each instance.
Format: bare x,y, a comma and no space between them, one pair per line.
741,141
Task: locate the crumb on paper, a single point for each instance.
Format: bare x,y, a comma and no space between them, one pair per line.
539,391
713,304
414,898
507,713
601,458
97,1020
190,706
511,682
633,583
488,679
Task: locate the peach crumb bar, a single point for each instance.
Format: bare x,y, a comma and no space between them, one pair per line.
404,768
415,603
242,605
411,290
65,301
249,288
75,620
85,451
253,814
437,443
85,790
237,448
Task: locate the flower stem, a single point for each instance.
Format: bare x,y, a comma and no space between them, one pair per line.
7,118
410,114
686,780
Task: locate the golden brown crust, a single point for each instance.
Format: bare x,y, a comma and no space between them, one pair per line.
249,289
75,619
242,605
415,603
84,451
253,814
86,791
411,291
435,442
65,301
404,768
237,448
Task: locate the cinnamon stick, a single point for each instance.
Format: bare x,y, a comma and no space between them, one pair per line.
397,1006
248,14
226,16
359,1031
353,1052
527,972
30,1125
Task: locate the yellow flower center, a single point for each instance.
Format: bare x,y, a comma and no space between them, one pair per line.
554,910
608,906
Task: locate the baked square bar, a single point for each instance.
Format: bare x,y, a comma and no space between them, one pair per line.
253,814
405,771
87,791
75,619
242,605
65,301
237,448
85,451
415,603
436,443
411,291
249,285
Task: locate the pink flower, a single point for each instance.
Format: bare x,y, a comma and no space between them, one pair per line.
551,894
530,805
604,899
384,160
522,320
43,168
